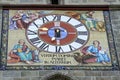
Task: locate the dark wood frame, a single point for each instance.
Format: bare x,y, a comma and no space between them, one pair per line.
57,7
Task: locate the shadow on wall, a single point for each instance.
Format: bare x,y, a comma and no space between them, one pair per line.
58,76
54,2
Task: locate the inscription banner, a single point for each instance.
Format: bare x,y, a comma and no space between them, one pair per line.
57,39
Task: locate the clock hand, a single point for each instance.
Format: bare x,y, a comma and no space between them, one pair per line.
44,29
53,39
57,33
71,32
42,32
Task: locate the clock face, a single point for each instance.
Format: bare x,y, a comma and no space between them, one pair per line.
57,33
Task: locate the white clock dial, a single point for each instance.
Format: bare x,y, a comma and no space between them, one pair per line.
57,33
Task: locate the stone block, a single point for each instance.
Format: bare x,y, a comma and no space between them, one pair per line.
92,73
76,78
86,78
11,74
76,73
110,0
33,1
110,73
119,63
103,78
115,78
84,1
115,22
24,1
8,1
82,78
116,26
116,33
94,1
114,13
46,72
113,16
119,57
35,78
118,45
118,40
29,73
21,79
118,52
1,75
72,1
7,78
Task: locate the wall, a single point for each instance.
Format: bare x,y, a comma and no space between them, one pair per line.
67,2
74,74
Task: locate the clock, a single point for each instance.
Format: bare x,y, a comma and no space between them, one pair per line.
55,38
57,33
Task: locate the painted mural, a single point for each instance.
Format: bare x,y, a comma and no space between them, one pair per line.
58,39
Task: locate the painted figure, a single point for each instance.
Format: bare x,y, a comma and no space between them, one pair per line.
90,22
12,25
21,19
22,50
95,50
36,56
18,19
29,16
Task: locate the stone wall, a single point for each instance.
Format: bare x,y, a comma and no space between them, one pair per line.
24,2
0,22
115,19
91,2
66,2
74,74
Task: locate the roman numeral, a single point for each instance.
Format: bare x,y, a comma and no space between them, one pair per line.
35,40
82,33
69,19
80,41
59,49
79,25
44,46
45,19
57,18
71,47
35,24
30,32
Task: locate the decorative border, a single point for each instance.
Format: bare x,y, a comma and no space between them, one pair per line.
4,38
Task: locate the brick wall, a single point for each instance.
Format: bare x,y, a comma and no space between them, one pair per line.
74,74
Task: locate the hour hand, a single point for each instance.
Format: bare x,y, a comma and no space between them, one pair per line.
44,29
53,39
